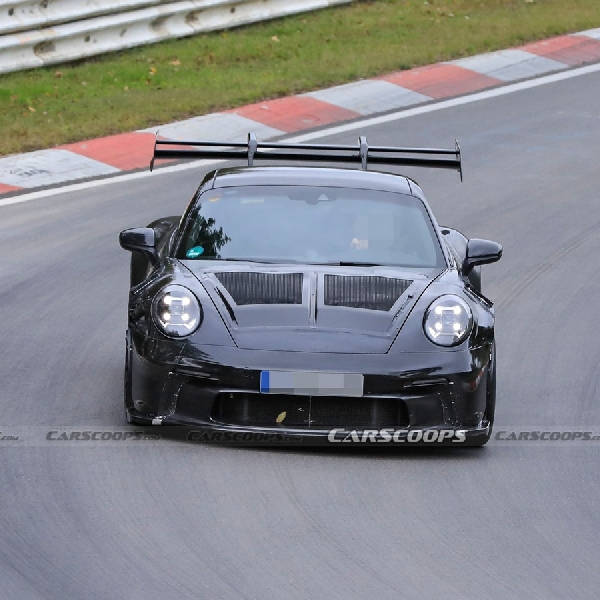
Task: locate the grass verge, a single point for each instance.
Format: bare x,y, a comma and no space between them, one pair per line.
193,76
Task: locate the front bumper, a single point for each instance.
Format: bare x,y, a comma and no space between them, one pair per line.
431,391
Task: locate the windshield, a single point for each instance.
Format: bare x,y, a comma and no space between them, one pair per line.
317,225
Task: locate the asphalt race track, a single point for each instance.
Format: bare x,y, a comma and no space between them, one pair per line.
172,520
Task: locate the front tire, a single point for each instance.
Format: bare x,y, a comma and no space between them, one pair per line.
490,406
127,384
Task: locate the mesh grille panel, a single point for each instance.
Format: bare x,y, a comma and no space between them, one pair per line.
355,412
255,409
375,293
262,288
306,411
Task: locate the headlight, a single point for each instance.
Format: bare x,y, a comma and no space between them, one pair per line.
448,320
176,311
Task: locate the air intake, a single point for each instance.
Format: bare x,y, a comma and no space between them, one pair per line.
374,293
262,288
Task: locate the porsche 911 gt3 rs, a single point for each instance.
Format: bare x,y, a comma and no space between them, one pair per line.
306,299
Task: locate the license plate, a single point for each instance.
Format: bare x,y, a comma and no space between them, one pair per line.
311,383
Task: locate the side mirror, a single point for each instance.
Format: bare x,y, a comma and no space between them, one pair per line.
480,252
140,239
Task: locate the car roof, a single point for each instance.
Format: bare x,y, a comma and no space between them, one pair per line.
315,176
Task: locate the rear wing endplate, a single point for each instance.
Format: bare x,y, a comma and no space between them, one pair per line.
362,154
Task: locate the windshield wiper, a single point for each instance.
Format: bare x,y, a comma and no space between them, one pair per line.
343,263
347,263
268,261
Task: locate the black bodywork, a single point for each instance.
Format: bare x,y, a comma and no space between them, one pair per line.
294,316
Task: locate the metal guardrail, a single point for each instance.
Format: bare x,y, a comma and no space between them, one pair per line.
35,34
27,15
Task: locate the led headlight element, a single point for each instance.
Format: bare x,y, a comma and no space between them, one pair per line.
176,311
448,320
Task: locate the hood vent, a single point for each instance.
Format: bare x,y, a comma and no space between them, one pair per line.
374,293
262,288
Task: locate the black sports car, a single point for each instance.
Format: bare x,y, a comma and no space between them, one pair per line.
324,303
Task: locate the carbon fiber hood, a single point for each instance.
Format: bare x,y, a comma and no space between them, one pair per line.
311,308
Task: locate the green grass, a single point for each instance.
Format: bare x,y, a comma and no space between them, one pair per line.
194,76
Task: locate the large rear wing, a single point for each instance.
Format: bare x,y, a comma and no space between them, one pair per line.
362,154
